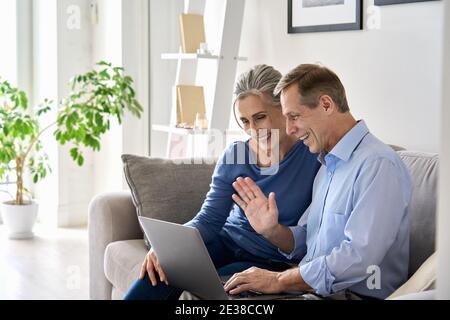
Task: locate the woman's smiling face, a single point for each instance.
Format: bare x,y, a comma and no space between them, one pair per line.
258,117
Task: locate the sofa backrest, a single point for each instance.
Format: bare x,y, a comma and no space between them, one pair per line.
168,190
423,169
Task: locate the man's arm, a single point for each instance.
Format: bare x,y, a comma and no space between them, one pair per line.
267,282
292,280
381,198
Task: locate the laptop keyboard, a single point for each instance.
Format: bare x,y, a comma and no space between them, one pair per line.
245,294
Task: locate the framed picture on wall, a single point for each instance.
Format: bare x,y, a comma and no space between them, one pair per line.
387,2
324,15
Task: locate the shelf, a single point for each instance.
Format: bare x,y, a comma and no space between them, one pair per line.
188,56
195,56
182,131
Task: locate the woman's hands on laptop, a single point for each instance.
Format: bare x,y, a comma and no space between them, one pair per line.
151,266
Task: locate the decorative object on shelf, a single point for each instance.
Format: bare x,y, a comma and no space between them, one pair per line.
192,31
204,50
324,15
388,2
201,122
190,102
96,97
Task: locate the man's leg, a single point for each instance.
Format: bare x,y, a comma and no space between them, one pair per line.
342,295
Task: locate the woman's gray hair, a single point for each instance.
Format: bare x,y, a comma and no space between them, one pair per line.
260,80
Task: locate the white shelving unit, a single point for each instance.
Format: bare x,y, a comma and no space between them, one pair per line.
194,143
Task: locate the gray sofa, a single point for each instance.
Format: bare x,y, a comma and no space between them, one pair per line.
117,249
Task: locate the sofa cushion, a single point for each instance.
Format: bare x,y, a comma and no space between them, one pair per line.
117,294
423,280
123,261
168,190
423,169
424,295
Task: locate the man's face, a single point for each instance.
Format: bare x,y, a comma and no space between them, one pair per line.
306,124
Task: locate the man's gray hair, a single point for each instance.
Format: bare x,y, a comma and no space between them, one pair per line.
314,81
260,81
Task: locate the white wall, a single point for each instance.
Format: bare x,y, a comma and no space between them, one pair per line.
392,75
164,38
61,49
128,22
108,165
74,47
45,85
136,62
8,31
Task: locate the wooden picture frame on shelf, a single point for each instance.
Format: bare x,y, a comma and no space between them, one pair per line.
306,16
192,32
190,103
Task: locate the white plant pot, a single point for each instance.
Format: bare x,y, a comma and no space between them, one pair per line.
19,220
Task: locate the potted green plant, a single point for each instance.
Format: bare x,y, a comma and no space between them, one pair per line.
95,99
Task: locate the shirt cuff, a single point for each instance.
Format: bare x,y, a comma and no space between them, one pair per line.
299,234
317,275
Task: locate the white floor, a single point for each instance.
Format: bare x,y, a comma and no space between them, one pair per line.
52,266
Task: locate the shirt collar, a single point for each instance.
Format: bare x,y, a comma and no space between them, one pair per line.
348,143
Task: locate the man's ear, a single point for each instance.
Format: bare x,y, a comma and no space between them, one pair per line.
327,104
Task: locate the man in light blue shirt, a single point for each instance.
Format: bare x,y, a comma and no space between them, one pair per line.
354,237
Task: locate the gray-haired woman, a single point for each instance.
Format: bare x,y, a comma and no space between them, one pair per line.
231,241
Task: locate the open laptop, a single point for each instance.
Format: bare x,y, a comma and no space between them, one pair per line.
186,262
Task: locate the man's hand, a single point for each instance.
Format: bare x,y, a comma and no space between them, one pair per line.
267,282
150,265
262,213
253,279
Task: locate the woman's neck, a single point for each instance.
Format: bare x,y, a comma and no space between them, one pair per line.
264,156
286,146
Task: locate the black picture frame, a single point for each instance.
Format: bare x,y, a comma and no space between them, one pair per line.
389,2
357,25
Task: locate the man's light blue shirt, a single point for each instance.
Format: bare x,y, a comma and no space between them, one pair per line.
355,233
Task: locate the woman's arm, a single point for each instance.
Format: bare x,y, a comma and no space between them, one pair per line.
218,203
262,213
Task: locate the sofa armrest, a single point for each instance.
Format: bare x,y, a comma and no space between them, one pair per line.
112,217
